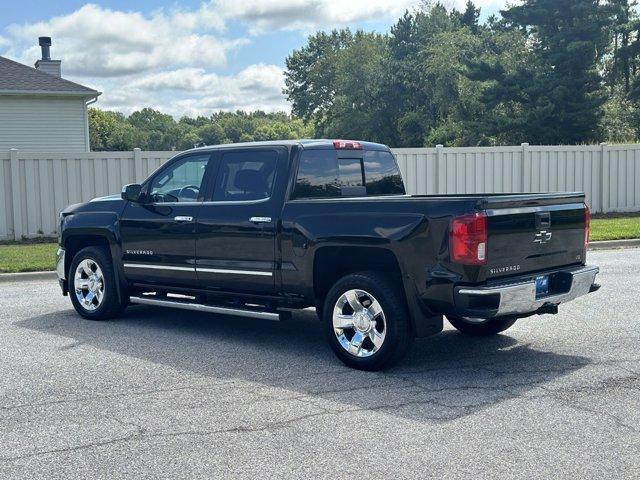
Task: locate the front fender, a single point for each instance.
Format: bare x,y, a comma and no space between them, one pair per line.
92,226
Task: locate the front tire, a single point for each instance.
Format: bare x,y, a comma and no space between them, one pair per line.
367,321
92,285
481,328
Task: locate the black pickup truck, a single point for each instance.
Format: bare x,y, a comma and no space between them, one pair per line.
261,229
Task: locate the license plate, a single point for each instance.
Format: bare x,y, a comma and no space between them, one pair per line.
542,286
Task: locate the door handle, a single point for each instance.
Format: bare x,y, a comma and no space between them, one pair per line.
183,219
260,219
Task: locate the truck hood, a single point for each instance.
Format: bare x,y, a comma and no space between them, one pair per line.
115,196
110,203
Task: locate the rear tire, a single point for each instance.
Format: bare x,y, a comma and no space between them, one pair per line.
476,328
367,321
92,285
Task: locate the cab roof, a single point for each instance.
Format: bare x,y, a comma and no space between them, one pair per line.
308,144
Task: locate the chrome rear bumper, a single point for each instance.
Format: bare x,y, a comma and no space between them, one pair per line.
518,297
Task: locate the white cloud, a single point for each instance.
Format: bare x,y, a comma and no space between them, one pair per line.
193,91
494,4
265,15
102,42
167,59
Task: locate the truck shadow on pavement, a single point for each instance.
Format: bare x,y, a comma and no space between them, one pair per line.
443,378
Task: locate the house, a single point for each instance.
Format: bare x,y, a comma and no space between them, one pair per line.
40,110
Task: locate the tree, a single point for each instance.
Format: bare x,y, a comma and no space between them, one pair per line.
102,124
544,71
470,17
357,109
311,73
560,95
149,119
210,134
152,130
110,131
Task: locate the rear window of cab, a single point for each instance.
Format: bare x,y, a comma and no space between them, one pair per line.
323,174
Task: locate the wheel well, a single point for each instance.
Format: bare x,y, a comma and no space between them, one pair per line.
75,243
332,263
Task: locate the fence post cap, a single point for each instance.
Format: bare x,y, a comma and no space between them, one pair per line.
524,144
603,144
439,145
137,149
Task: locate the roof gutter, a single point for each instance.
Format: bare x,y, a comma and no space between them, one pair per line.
93,100
88,94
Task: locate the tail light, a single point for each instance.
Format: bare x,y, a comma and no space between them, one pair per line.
468,239
587,222
346,145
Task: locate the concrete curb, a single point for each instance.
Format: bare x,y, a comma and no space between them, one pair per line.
27,276
33,276
611,244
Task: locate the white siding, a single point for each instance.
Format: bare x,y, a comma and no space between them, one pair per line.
43,124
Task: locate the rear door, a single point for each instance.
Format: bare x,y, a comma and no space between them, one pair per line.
533,235
237,226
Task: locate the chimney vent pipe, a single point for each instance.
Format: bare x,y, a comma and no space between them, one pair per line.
45,43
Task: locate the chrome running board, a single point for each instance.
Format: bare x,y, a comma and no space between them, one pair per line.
199,307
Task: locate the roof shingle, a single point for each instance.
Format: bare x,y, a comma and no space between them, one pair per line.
16,77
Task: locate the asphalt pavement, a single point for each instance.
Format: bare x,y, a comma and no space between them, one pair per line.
171,394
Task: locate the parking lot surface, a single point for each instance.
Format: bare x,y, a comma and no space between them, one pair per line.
174,394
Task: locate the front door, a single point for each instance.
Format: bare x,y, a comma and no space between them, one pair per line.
237,228
158,235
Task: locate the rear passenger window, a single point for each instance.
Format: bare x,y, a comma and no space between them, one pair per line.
382,174
317,175
246,175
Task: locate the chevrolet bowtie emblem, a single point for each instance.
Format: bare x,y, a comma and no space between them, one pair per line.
543,237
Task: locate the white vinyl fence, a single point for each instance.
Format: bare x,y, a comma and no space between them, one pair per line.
608,174
34,187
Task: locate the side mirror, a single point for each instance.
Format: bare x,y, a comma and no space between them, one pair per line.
132,192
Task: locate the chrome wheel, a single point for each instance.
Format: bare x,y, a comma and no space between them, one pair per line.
359,323
88,283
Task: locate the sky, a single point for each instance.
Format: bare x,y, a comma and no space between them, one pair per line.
189,57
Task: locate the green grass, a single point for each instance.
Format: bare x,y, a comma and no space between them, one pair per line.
33,257
28,257
615,228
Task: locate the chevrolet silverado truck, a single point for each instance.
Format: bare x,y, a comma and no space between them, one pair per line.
262,229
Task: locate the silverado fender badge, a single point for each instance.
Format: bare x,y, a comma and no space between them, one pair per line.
139,252
542,237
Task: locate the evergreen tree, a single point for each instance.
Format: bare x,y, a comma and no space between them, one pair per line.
563,100
470,17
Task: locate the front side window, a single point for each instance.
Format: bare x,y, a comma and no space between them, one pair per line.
180,182
246,175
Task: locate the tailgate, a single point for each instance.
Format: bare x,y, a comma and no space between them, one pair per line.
529,233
